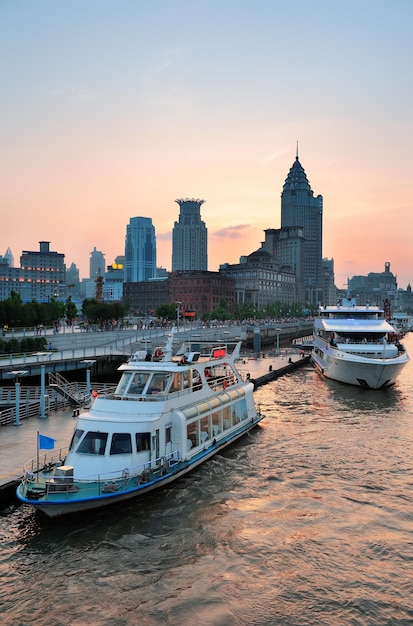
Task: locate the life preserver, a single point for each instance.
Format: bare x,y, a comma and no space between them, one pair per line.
158,354
94,394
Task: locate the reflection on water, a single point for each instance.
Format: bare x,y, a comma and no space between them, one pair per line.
308,520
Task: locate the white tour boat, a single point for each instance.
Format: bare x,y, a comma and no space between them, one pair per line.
356,345
167,415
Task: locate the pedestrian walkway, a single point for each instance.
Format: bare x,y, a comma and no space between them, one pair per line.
18,444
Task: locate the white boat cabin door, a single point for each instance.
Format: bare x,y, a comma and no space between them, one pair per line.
155,444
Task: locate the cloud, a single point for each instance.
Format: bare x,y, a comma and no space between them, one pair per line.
232,232
274,156
164,236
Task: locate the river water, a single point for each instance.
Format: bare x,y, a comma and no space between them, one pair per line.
308,520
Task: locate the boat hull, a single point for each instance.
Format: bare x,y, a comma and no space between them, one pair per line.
352,370
73,503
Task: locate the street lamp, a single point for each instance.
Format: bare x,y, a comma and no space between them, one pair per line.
178,311
43,355
278,330
88,368
17,375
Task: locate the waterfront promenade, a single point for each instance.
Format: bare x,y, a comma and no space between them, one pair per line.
18,444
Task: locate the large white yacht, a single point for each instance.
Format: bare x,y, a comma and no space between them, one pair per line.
357,345
167,415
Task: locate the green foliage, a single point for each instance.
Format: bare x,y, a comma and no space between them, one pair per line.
24,345
167,311
16,314
15,297
99,312
71,309
221,312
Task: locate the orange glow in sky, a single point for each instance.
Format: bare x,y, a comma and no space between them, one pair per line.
112,110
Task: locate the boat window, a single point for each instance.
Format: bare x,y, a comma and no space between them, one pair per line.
190,412
123,383
205,429
138,383
142,442
226,417
203,407
158,383
196,380
121,443
177,382
76,438
216,423
214,402
168,434
193,434
239,411
93,443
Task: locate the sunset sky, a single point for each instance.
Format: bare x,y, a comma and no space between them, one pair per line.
112,109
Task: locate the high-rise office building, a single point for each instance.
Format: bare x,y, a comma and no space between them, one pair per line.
140,250
189,238
97,264
299,208
43,274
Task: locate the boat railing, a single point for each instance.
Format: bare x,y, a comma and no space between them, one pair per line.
45,462
219,383
103,482
216,383
348,341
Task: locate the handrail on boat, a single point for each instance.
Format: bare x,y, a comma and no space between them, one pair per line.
31,475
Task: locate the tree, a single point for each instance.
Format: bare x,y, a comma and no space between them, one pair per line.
167,311
98,312
221,311
71,309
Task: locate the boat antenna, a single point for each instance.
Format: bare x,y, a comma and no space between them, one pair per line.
168,348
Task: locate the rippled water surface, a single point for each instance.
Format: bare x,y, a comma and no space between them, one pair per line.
309,520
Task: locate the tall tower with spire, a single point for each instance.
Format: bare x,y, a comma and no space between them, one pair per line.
299,208
189,238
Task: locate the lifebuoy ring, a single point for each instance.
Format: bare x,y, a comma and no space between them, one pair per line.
158,354
94,394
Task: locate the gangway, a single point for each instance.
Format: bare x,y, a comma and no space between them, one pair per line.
70,391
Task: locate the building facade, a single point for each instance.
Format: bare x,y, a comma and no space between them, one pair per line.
200,293
299,208
189,238
42,274
260,281
375,288
140,250
287,246
10,281
145,297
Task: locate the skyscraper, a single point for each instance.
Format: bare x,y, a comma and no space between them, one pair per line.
140,250
299,208
189,238
96,264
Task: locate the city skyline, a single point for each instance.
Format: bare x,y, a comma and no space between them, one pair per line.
113,110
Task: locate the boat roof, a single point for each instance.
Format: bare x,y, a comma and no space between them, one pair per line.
349,305
338,308
355,325
188,354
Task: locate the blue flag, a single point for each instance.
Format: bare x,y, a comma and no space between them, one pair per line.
46,443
